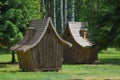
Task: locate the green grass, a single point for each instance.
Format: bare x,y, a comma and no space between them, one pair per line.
6,57
108,68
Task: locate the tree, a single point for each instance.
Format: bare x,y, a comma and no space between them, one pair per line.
66,11
61,7
49,8
103,18
14,17
73,11
55,13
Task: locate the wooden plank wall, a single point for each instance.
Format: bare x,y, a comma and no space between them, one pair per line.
47,55
77,53
25,60
70,53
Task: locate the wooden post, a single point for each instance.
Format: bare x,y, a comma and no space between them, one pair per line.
84,34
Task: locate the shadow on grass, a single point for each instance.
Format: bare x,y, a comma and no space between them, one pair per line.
3,64
9,67
113,61
11,71
8,63
105,61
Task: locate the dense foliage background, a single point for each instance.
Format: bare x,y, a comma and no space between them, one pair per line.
103,17
14,18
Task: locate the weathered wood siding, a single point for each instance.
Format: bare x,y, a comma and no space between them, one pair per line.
77,53
25,60
87,55
29,34
48,54
41,48
70,53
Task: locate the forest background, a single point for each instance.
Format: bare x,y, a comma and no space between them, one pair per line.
101,17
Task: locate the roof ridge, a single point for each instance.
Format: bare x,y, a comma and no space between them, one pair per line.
76,34
39,33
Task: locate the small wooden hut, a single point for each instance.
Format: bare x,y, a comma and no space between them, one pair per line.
42,48
83,50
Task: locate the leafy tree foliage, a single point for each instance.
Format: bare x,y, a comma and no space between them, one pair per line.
49,12
104,23
14,18
103,17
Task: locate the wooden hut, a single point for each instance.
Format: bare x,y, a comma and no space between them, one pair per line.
42,48
83,50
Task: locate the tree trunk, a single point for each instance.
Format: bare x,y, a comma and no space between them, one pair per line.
13,57
65,11
55,13
43,2
44,10
61,6
73,11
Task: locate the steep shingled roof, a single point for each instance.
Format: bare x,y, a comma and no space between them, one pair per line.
40,27
75,28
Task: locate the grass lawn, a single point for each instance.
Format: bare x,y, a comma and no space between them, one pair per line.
108,68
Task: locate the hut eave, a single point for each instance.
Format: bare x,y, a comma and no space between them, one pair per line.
68,44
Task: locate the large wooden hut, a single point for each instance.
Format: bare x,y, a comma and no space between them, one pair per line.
83,50
41,48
